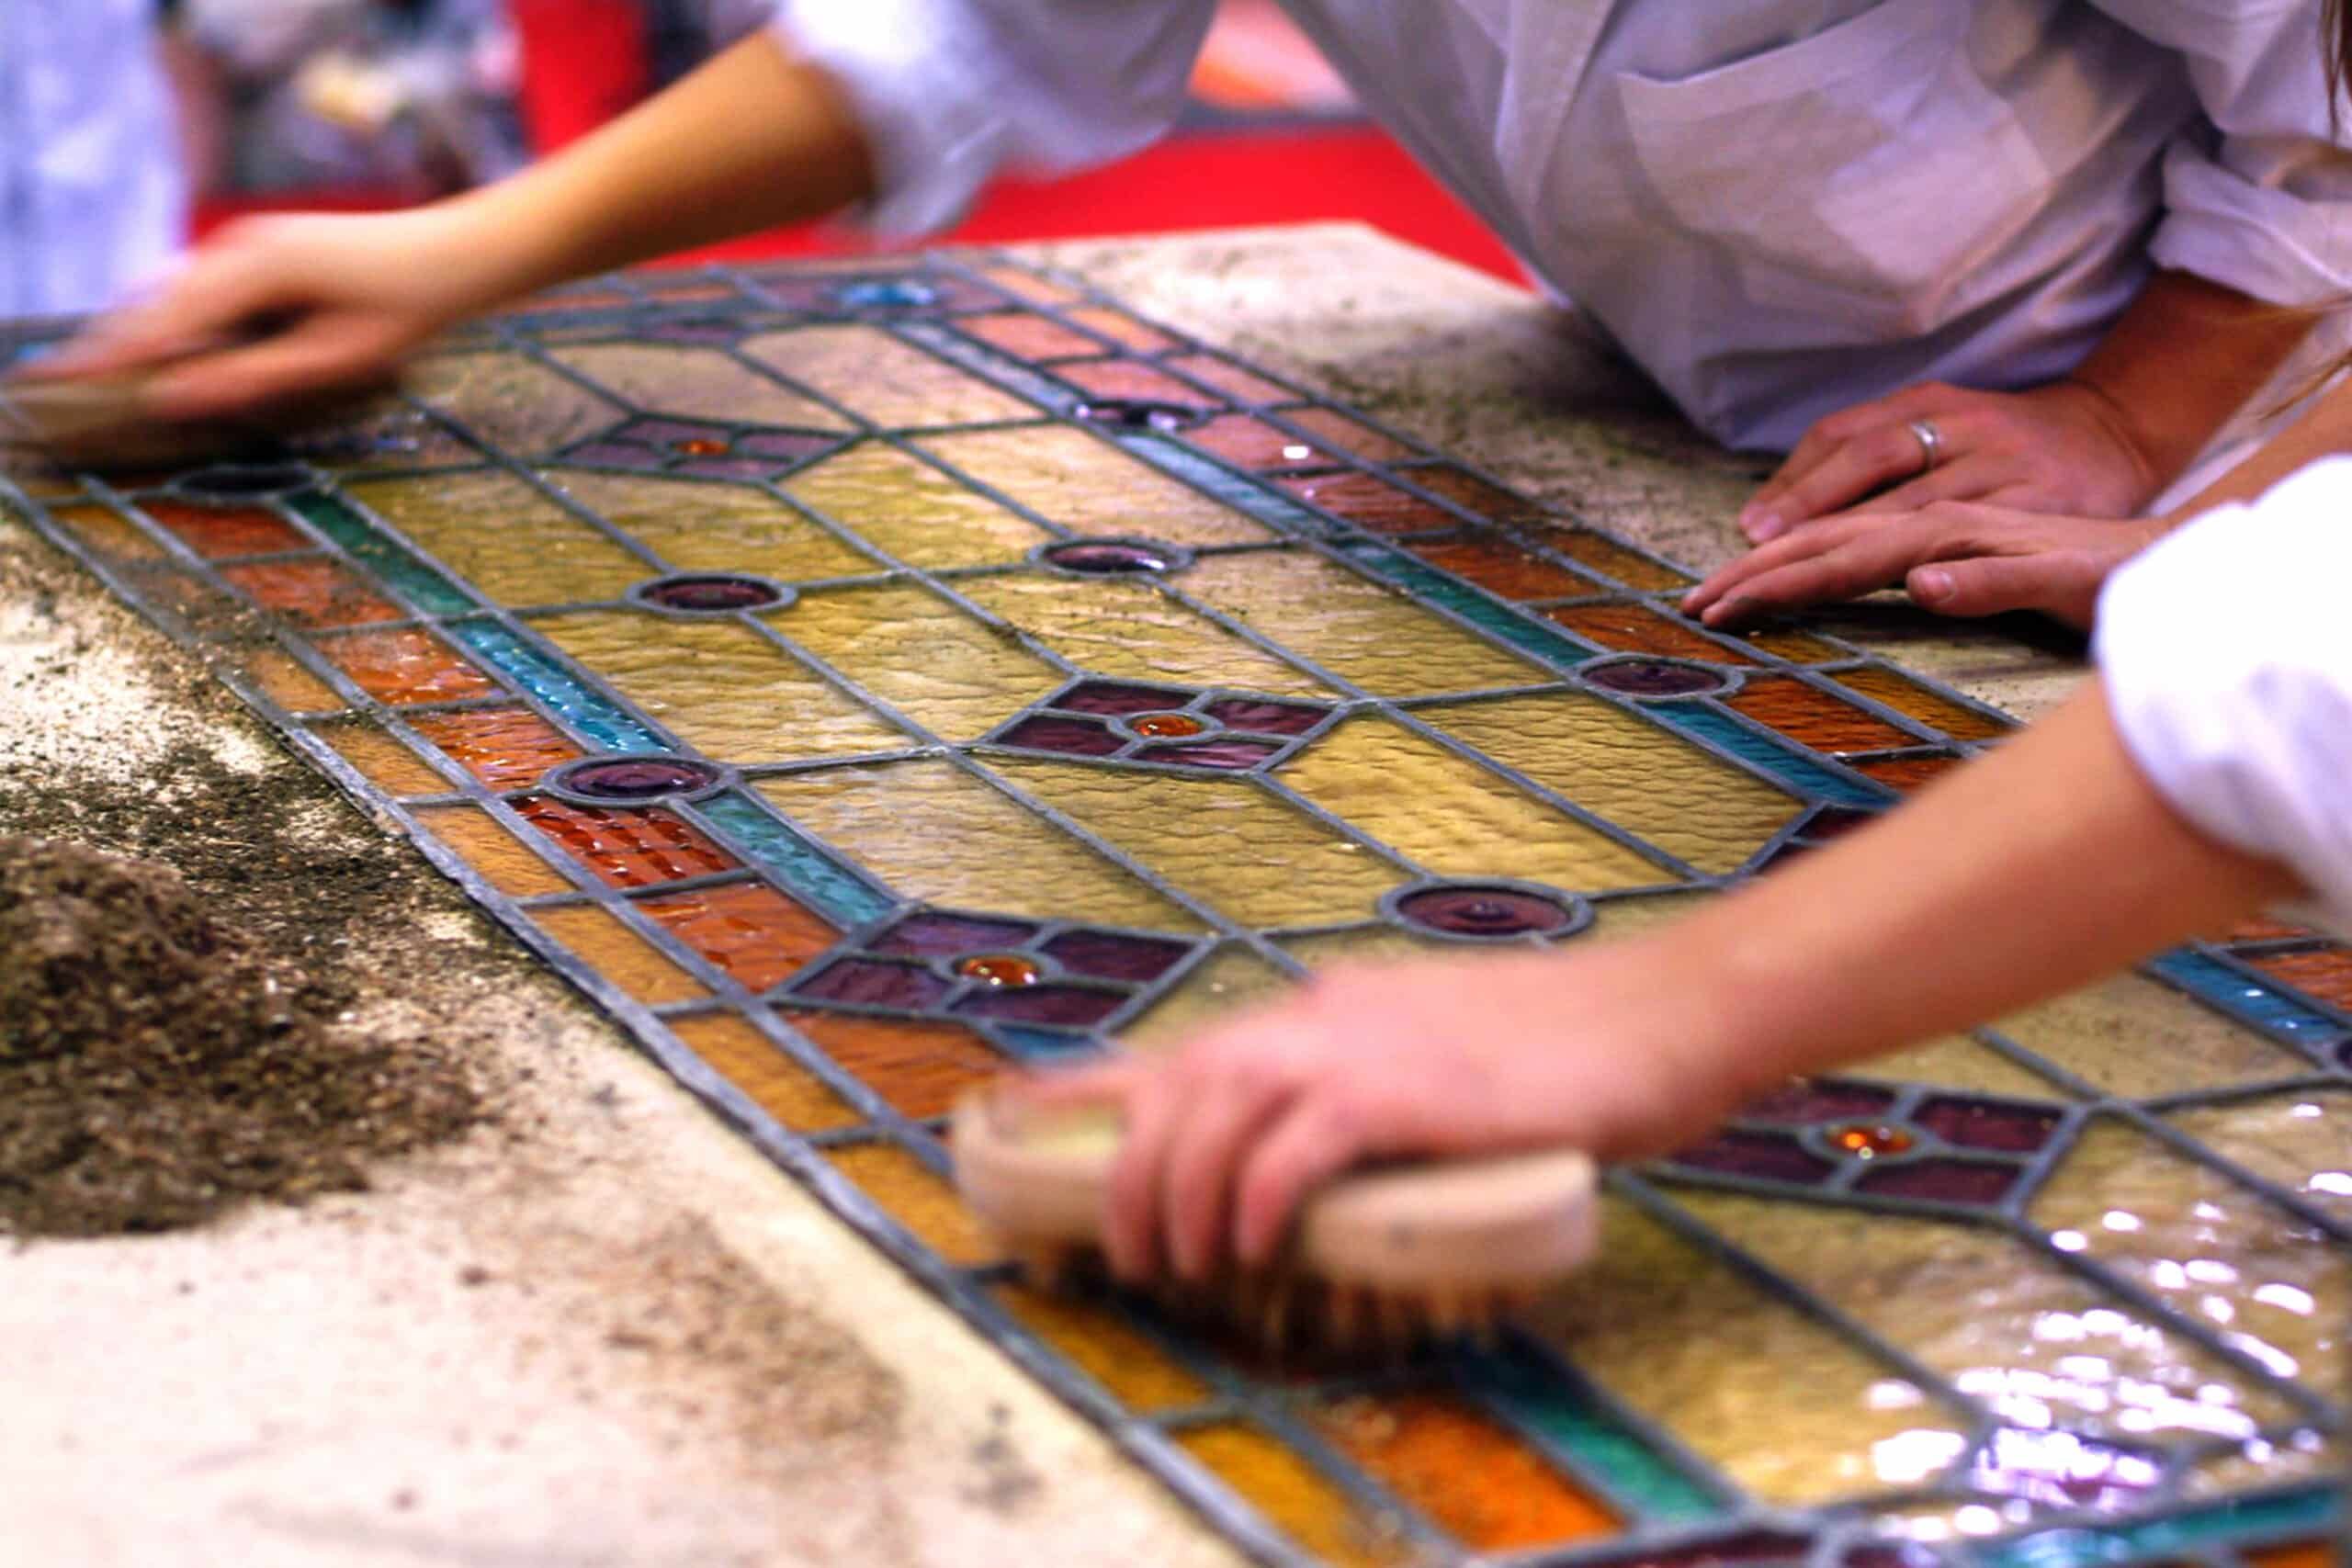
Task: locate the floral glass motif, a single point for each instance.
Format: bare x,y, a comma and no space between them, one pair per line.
1240,681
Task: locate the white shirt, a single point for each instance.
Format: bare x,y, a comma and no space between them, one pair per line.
92,199
1779,206
2227,657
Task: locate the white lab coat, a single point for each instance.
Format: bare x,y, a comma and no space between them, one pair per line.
1778,208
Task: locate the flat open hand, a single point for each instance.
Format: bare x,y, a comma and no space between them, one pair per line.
2063,447
1955,557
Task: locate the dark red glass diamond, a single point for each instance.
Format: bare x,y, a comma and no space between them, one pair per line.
729,468
1941,1181
675,433
1653,677
635,778
782,443
1484,911
1108,556
1987,1124
873,983
1769,1156
1107,956
612,455
1109,697
1074,735
713,593
1225,753
1755,1547
932,935
1801,1104
1263,718
1069,1005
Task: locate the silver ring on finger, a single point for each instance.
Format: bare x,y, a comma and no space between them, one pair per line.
1932,444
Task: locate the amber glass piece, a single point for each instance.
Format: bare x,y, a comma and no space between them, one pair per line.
1229,978
1913,700
626,848
768,1077
1227,843
1797,648
619,954
1811,717
1026,335
2135,1038
1637,628
1980,1307
1371,503
406,666
1232,379
883,378
697,526
1609,559
1868,1140
2298,1554
311,593
1076,479
1133,630
932,832
908,509
724,688
1473,494
910,1192
1485,1487
920,1069
2302,1139
1130,1367
1361,631
2212,1250
1249,442
506,537
287,685
1345,432
1295,1497
1160,726
1500,566
2261,928
752,931
106,532
504,748
388,765
1000,969
1455,818
2325,974
695,383
1649,782
217,533
516,404
921,655
1132,380
1121,328
504,860
1909,773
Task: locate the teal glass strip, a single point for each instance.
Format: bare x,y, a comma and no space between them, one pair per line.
1527,635
578,703
2275,1012
1532,1394
1784,762
2284,1516
1272,508
814,876
982,360
425,587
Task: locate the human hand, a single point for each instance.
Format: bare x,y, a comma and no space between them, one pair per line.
2065,448
281,308
1607,1050
1955,557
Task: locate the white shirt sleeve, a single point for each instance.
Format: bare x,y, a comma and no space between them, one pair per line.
2261,199
2227,656
950,91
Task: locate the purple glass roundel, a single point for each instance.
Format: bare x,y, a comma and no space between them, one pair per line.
1139,414
1104,557
1653,677
635,778
712,593
1493,912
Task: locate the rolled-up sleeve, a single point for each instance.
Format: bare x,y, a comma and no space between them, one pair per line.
2260,198
2227,657
950,91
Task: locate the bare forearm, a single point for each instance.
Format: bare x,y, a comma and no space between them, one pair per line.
2323,430
2046,866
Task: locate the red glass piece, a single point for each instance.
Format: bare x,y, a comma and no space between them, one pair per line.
502,747
311,593
703,446
1163,725
1067,1005
1211,754
1263,718
714,592
1000,969
1484,911
1769,1156
1868,1140
626,849
1074,735
1802,1104
748,929
406,666
873,983
1109,697
1941,1181
1653,677
636,778
931,935
216,533
1372,503
1130,379
1106,956
1985,1124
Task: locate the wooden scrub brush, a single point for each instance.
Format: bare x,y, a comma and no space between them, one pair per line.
1378,1260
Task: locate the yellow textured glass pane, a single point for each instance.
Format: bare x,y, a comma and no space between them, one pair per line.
2206,1248
1228,979
1799,648
388,765
1638,776
2268,1465
504,860
931,830
911,1193
1365,944
1907,697
619,954
1613,918
516,404
768,1078
2135,1038
1134,631
889,381
1227,841
1138,1373
700,526
1452,816
1586,548
695,383
722,686
287,685
1353,627
920,654
2033,1342
1690,1343
108,532
1071,477
910,510
502,535
1958,1062
1294,1497
2302,1139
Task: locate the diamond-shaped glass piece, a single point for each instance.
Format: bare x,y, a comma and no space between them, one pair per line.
1107,955
933,934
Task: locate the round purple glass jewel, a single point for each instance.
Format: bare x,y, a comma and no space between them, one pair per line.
711,593
1102,557
635,778
1485,913
1139,414
1653,677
